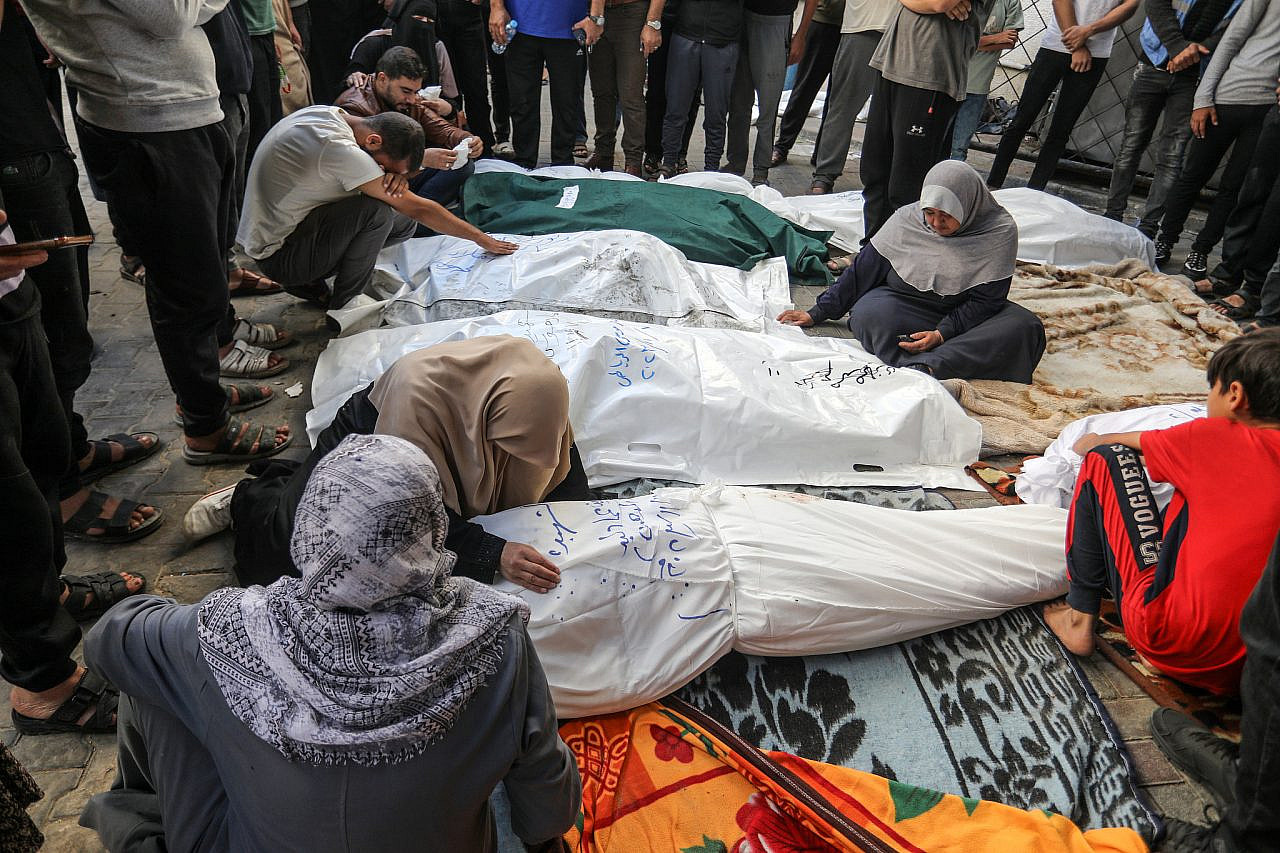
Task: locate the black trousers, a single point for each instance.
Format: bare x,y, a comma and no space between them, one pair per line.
1049,69
525,58
1251,239
263,508
655,102
908,133
37,635
265,107
1253,820
42,194
172,199
302,23
336,26
497,87
460,25
815,67
1238,129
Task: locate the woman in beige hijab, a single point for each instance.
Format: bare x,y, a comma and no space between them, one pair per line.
492,414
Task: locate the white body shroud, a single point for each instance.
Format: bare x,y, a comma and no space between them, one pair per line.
1050,480
700,405
627,274
655,589
1051,230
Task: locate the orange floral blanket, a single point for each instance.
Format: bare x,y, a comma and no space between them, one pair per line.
665,777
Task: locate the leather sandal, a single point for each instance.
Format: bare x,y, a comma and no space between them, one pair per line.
253,284
262,335
245,361
94,692
134,452
249,397
235,444
107,588
1245,311
114,530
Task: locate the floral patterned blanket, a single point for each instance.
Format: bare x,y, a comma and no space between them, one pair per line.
666,777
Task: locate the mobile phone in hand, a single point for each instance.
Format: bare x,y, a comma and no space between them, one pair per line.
45,245
905,339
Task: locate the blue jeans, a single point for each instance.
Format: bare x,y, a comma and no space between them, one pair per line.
968,117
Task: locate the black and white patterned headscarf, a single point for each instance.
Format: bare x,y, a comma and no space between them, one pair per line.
371,655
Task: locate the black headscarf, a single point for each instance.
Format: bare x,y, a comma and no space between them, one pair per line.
407,30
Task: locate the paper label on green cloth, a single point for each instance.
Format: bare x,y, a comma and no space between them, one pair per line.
569,197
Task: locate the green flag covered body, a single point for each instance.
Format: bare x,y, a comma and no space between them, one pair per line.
706,225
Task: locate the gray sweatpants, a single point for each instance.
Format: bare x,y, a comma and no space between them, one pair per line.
852,79
343,240
762,67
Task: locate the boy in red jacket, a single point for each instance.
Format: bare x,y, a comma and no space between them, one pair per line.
1181,580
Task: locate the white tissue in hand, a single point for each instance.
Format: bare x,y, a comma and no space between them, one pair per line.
462,149
432,92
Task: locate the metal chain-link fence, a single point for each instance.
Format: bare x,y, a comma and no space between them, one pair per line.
1097,134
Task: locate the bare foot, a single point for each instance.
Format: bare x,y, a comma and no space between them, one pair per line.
133,583
209,442
42,705
1073,628
117,450
73,503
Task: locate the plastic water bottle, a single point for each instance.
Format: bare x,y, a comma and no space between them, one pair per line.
510,30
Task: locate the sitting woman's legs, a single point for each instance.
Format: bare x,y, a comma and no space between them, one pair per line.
879,317
263,506
1006,347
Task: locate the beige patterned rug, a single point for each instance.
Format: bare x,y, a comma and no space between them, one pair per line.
1119,337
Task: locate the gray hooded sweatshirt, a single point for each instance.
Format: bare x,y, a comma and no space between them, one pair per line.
141,66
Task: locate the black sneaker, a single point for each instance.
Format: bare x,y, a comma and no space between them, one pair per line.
1164,250
1196,265
1183,837
1208,759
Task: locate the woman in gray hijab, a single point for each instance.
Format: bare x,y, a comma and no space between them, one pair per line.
371,704
930,291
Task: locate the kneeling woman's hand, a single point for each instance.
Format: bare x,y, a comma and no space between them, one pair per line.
922,341
524,565
795,318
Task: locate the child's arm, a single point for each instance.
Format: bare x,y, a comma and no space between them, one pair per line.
1091,440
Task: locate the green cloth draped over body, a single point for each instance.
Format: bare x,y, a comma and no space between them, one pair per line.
706,225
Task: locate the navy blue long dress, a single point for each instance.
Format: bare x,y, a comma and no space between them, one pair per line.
985,336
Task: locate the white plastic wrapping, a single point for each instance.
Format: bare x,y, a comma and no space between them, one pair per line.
699,405
624,274
655,589
1051,479
1051,230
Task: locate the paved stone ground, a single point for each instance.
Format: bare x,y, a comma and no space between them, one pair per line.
128,392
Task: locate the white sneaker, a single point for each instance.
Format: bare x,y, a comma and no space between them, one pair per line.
209,515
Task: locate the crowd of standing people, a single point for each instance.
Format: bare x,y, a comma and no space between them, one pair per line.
249,147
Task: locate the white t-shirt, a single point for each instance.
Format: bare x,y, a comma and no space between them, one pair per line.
307,160
1087,11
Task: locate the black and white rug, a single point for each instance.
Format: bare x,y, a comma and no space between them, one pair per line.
994,710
